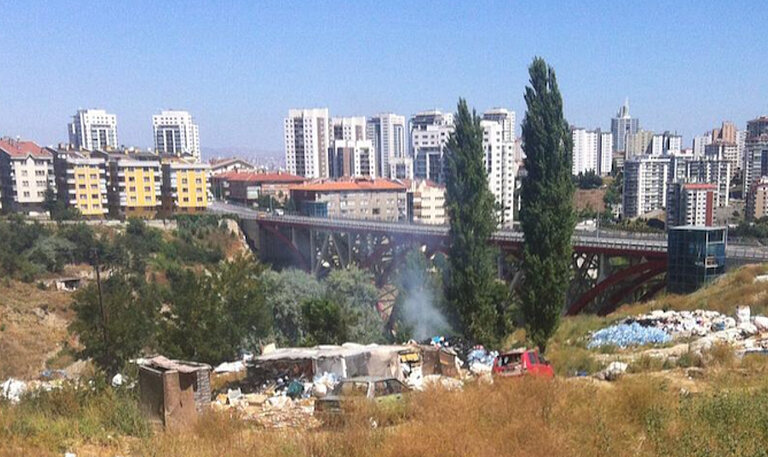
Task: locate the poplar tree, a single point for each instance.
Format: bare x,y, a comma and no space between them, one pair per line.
546,212
470,206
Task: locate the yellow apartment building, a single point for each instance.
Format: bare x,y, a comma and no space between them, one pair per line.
186,187
81,181
134,184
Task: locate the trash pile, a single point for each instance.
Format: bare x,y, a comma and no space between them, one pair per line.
277,411
480,360
708,327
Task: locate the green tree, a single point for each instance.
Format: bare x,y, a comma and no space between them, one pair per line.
470,206
124,329
326,322
286,292
588,180
546,212
213,314
353,289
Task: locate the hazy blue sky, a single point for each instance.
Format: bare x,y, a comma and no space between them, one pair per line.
239,66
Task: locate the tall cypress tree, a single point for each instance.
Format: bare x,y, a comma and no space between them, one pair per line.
470,206
546,212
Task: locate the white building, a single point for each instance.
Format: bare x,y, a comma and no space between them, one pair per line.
426,202
666,143
720,150
429,133
352,158
690,204
638,143
592,151
755,152
708,170
348,128
387,132
700,142
400,167
501,166
621,126
177,134
26,172
306,142
645,184
93,129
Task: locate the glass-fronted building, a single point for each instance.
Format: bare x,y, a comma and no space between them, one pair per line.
696,255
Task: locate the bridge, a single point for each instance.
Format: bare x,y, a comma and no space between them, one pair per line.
609,267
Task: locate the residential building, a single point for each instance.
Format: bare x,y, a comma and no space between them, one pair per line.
176,134
706,170
638,143
726,133
426,202
755,152
348,128
500,161
591,151
233,164
621,126
722,150
352,158
757,200
307,142
700,142
186,187
666,143
81,181
93,129
247,187
400,168
741,139
26,172
387,132
370,199
134,183
645,184
690,204
429,132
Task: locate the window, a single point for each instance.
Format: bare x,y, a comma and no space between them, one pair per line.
146,178
94,186
147,188
94,176
81,176
95,196
41,183
198,181
185,199
132,189
394,387
23,172
199,199
183,180
148,198
25,184
26,194
380,389
131,178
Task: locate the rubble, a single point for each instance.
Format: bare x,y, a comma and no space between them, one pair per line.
12,390
612,372
624,335
480,360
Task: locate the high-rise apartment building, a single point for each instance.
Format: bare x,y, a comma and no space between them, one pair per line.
348,128
721,150
592,151
500,160
700,143
638,143
645,184
306,135
707,170
387,132
621,126
690,204
757,200
93,129
429,132
177,134
755,152
352,158
666,143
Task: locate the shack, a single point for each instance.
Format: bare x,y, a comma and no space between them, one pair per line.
345,361
174,392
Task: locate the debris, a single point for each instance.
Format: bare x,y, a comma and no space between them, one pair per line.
761,322
742,314
117,380
612,372
624,335
234,395
480,360
12,389
434,380
324,383
230,367
70,454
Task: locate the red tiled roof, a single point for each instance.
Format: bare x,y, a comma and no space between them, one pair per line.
22,148
250,176
350,185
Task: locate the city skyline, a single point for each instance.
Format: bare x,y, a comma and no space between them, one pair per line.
246,65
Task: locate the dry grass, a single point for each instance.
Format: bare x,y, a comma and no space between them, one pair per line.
32,327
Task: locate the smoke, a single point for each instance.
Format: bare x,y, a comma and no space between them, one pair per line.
420,311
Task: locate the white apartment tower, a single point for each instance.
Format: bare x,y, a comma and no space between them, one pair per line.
387,132
592,151
93,129
645,184
176,133
429,132
307,142
500,161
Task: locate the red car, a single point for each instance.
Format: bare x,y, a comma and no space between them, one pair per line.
522,361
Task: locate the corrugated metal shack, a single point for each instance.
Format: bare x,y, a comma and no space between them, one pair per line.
174,392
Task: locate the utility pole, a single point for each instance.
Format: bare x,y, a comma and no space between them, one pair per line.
104,317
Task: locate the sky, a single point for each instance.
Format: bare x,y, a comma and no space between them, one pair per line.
238,66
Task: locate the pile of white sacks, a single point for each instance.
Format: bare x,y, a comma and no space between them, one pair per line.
708,327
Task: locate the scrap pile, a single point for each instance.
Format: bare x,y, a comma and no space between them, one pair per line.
707,327
271,409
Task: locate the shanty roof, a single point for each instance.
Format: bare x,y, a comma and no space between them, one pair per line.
255,177
326,351
181,366
351,185
17,148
